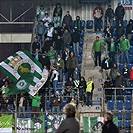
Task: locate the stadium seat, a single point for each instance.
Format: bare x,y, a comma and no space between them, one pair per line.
83,24
89,24
71,49
79,59
82,33
48,105
127,114
110,104
131,50
130,59
127,124
121,66
114,24
28,113
80,50
124,24
128,97
119,104
114,32
128,92
127,131
120,125
119,114
64,102
59,85
128,104
79,67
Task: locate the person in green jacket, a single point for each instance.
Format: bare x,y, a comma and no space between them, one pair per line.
96,50
51,55
35,105
124,48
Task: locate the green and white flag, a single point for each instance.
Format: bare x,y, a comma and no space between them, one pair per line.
92,124
6,124
21,64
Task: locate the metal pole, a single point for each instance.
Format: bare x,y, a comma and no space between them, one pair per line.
15,116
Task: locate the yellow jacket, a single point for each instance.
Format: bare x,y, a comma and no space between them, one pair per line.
90,86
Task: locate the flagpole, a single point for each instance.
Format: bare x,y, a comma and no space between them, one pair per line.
15,116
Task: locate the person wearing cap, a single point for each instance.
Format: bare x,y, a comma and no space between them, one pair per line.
41,13
68,20
47,20
109,126
109,15
119,14
124,48
56,101
57,9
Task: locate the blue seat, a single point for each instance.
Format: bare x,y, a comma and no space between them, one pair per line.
89,24
127,114
71,49
28,113
129,66
127,124
79,59
127,131
128,104
48,105
119,114
114,32
80,50
121,66
120,124
82,33
130,59
59,85
83,24
124,23
114,24
110,104
119,104
79,67
64,102
128,97
131,50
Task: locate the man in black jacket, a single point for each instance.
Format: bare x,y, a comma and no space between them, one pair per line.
109,126
119,14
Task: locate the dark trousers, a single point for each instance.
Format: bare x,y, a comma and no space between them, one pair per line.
119,20
89,98
97,24
98,57
70,72
35,109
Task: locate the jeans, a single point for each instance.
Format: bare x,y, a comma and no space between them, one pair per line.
22,110
55,85
55,109
98,56
112,56
76,48
60,75
119,20
41,39
124,57
97,24
89,99
81,94
70,72
52,62
110,20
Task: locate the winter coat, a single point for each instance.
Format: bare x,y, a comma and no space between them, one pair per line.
120,11
124,45
109,13
97,46
74,62
75,37
66,37
67,20
125,72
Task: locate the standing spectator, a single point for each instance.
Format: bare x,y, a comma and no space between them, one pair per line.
62,29
58,9
51,55
77,24
70,124
50,31
89,91
41,13
71,64
41,31
54,78
98,14
45,61
129,29
56,102
35,44
66,37
82,88
126,74
55,36
109,126
124,48
113,73
35,105
106,66
97,49
57,20
75,40
68,20
37,54
59,64
119,31
4,103
46,45
119,14
22,106
131,77
47,20
109,15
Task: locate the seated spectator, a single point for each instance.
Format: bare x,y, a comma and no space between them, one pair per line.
57,9
54,78
41,30
45,61
78,24
129,29
106,66
131,77
68,20
66,37
59,64
71,64
82,88
108,89
41,13
35,44
75,40
57,20
51,55
113,73
46,45
56,102
47,20
126,74
119,31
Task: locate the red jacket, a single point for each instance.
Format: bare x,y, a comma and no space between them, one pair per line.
131,74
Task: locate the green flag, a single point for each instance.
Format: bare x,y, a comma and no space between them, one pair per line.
21,63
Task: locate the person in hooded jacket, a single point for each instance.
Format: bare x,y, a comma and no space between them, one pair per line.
129,29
